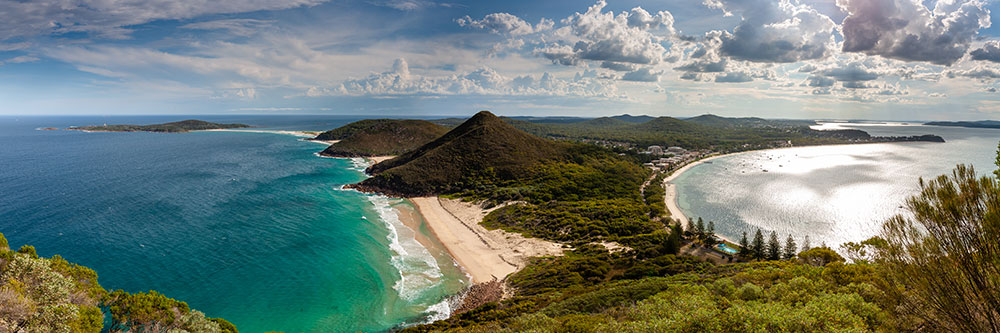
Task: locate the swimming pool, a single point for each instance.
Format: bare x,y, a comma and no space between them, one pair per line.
726,249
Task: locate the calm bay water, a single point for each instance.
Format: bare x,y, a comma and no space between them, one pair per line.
833,194
251,227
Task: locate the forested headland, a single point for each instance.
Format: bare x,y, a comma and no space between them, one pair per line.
172,127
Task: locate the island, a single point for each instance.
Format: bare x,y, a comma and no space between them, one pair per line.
183,126
969,124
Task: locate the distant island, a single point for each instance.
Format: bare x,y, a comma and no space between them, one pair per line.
970,124
379,137
172,127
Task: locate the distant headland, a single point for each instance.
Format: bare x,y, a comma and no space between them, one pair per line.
970,124
172,127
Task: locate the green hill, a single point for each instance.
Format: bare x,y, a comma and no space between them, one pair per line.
482,144
172,127
380,137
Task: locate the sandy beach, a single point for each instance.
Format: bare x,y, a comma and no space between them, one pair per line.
486,255
378,159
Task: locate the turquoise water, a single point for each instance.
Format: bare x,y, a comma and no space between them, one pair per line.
251,227
833,194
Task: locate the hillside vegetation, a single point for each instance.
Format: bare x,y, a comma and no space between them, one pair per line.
53,295
380,137
934,269
172,127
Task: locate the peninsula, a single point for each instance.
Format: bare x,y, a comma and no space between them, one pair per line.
183,126
379,137
969,124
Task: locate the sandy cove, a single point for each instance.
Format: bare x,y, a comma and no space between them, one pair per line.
486,255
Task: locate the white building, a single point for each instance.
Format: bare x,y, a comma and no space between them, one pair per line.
655,150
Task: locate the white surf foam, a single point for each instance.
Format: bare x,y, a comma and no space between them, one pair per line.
417,267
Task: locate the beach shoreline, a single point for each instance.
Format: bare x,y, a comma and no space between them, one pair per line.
485,255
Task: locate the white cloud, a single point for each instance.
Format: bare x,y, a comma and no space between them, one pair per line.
239,27
907,30
776,31
504,23
643,75
106,18
482,81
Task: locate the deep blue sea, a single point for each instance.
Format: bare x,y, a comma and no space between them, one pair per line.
251,227
832,194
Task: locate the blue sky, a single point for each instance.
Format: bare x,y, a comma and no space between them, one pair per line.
869,59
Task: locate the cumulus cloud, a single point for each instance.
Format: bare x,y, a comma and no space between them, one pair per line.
239,27
504,23
990,52
482,81
745,75
631,37
854,71
106,18
643,75
703,66
907,30
978,72
820,81
776,31
617,66
734,77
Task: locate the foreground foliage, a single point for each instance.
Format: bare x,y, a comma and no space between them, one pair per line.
53,295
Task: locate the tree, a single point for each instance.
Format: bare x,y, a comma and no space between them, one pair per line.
711,228
700,227
941,262
805,244
745,246
758,245
997,162
790,248
673,245
773,247
819,256
29,250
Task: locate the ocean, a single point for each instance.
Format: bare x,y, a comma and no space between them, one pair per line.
250,227
833,194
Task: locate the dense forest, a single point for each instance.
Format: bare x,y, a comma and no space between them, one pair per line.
172,127
379,137
52,295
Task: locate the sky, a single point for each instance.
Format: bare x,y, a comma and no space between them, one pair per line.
808,59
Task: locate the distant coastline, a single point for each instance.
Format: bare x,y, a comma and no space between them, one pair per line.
182,126
970,124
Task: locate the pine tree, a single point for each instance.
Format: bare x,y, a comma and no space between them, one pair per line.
805,245
790,247
773,247
711,228
700,227
758,245
745,246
